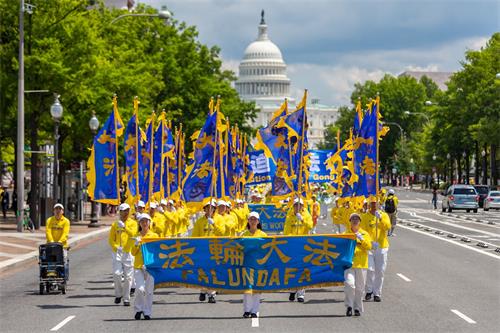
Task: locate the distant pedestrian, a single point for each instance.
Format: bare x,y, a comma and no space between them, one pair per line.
391,208
5,202
434,197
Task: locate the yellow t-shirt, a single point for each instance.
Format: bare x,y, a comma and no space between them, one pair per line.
258,233
57,230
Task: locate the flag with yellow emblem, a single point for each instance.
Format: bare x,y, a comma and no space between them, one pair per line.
103,175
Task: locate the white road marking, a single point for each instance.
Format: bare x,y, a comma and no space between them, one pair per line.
403,277
463,220
8,255
423,200
18,245
323,223
62,323
450,241
464,317
255,321
457,226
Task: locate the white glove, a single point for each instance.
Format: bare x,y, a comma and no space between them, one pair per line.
210,221
377,214
299,217
374,245
359,236
121,224
142,290
137,240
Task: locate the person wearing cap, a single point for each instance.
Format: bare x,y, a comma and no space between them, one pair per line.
208,226
354,277
57,227
123,260
141,207
251,300
183,218
171,219
391,208
157,220
223,217
376,222
242,215
315,208
143,304
298,222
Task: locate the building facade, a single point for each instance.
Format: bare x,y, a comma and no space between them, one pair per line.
262,79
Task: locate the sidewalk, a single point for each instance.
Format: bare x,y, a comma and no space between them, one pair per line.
21,247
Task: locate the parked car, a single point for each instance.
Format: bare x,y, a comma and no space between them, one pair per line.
492,201
483,191
462,197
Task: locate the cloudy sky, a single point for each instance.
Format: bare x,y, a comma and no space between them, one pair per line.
330,45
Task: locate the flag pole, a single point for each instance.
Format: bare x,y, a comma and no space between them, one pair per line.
213,190
115,114
151,148
136,112
299,182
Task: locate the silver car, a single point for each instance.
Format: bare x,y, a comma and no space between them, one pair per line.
492,201
460,197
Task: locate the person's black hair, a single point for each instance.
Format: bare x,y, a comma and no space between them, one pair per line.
259,226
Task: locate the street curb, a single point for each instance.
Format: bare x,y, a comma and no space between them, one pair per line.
14,262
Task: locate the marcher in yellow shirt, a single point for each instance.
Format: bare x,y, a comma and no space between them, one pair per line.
315,213
225,218
207,226
57,227
354,277
336,214
298,222
157,221
377,224
183,218
251,300
144,281
171,220
118,239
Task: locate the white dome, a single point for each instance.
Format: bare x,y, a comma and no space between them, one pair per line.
262,49
262,71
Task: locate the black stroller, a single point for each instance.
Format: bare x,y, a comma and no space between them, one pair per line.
53,268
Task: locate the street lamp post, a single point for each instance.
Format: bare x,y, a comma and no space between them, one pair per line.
56,111
448,157
419,113
94,220
163,14
485,168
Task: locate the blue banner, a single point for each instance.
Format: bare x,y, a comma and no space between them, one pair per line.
318,173
272,218
266,264
263,168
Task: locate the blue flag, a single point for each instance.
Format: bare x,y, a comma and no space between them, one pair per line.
132,149
103,174
145,167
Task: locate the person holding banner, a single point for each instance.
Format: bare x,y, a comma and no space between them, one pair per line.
298,222
251,300
123,260
143,305
354,277
377,223
183,218
207,226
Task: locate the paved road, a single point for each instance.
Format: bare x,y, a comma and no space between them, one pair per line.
428,276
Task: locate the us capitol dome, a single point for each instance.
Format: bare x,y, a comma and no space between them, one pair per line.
262,72
262,79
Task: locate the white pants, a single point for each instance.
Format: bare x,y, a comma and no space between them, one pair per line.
301,293
123,265
354,287
340,228
144,292
251,303
377,262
